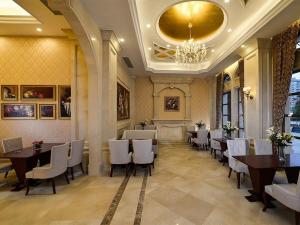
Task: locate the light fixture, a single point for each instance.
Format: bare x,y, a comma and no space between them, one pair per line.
248,93
226,1
168,46
149,48
38,29
212,50
229,30
93,38
121,40
243,46
148,25
190,52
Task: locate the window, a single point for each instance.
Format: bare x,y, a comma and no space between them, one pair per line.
241,131
226,107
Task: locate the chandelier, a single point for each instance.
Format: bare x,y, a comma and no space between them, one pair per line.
190,52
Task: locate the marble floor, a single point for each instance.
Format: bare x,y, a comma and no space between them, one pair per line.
186,187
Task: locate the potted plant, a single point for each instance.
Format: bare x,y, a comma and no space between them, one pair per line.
228,129
280,140
37,144
200,124
144,123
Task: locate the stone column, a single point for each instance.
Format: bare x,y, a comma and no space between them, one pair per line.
156,106
187,106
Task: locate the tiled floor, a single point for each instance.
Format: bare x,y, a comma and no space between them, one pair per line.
187,187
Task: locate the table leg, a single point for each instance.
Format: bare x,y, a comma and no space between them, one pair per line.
292,174
259,178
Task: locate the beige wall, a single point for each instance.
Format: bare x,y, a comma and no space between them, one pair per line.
200,101
40,61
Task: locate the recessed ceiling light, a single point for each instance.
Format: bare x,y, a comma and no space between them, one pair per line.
148,25
243,46
93,39
39,29
212,50
226,1
121,40
149,48
229,30
168,46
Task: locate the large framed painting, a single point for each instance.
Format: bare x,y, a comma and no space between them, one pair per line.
18,111
172,103
38,92
123,103
47,111
9,92
64,102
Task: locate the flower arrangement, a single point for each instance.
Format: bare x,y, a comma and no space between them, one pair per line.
37,144
228,128
279,139
144,123
200,124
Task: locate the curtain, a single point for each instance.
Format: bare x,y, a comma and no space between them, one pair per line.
283,50
219,92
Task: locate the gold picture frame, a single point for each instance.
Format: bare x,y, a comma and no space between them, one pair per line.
9,92
18,111
47,111
64,102
38,92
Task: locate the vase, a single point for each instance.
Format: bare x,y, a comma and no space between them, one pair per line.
280,153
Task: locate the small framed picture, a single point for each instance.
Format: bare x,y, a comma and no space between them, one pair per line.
18,111
9,92
64,101
172,103
38,92
47,111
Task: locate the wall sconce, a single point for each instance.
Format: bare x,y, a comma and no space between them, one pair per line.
248,93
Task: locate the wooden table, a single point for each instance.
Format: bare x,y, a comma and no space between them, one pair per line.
25,159
262,169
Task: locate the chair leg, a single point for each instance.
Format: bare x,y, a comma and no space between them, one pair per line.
126,170
153,164
53,185
230,170
27,186
111,170
134,170
81,167
6,173
66,176
265,199
72,173
211,151
238,176
149,166
215,153
297,218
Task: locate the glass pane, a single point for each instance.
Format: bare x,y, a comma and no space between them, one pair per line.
240,109
225,119
295,83
239,93
225,109
241,133
292,125
293,105
241,122
225,99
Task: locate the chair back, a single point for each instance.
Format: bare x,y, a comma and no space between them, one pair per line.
150,127
138,127
12,144
59,159
142,151
190,128
76,153
236,147
119,150
216,133
202,136
298,186
262,147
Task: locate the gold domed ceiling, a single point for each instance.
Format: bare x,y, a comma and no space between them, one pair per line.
206,19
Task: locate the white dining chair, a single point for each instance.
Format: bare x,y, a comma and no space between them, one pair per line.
287,194
143,154
138,127
119,154
188,134
57,166
75,157
262,147
237,147
215,145
150,127
201,140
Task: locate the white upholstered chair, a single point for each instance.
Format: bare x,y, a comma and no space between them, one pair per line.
143,154
262,147
150,127
138,127
201,139
76,154
57,166
287,194
215,145
9,145
237,147
119,154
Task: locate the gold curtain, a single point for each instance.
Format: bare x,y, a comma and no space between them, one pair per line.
219,92
283,50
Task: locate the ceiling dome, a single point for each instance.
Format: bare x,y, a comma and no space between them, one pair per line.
206,18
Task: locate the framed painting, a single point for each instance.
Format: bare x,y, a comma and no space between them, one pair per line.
47,111
18,111
64,102
9,92
123,103
172,103
38,92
